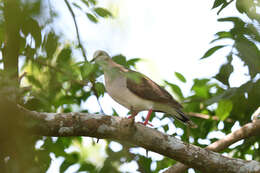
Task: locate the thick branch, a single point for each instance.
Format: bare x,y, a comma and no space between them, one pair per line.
121,129
248,130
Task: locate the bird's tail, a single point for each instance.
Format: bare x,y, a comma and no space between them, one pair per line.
185,119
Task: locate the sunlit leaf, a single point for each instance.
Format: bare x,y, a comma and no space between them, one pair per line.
92,18
222,35
85,2
180,77
211,51
201,87
176,89
102,12
224,109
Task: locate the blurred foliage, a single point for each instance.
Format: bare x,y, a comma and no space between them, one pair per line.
60,82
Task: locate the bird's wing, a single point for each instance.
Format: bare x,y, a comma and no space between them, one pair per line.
145,88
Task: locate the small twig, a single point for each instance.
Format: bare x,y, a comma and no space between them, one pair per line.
77,29
96,95
207,117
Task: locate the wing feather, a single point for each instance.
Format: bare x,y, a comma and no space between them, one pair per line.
145,88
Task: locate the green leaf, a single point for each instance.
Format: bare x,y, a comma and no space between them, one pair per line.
217,3
180,77
87,167
201,87
237,21
100,88
65,100
224,5
64,56
120,59
146,163
102,12
87,69
76,5
224,109
85,2
166,127
224,73
176,89
93,2
222,35
132,62
34,81
70,160
51,43
32,26
211,51
249,53
92,18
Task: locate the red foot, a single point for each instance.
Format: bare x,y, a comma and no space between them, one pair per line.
131,116
148,116
143,123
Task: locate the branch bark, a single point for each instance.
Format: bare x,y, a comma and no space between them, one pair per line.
12,16
122,129
246,131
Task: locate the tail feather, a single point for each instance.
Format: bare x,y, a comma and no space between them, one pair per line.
185,119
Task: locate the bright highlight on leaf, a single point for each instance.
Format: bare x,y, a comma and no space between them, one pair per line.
224,109
92,18
102,12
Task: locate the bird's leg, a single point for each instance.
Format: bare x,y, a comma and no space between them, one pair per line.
133,113
148,117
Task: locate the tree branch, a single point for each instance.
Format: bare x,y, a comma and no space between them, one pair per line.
205,116
123,129
248,130
12,24
77,29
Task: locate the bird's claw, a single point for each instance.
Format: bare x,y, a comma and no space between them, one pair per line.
144,123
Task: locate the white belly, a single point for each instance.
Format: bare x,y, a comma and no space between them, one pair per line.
117,89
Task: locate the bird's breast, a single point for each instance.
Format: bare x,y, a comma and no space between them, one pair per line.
116,87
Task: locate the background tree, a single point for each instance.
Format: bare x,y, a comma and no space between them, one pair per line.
57,80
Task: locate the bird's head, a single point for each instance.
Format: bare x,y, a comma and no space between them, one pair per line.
100,57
